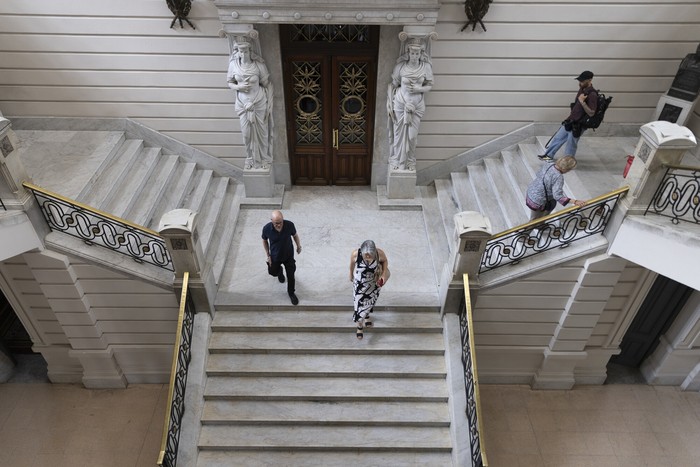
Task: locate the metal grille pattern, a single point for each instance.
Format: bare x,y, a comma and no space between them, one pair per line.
178,381
308,100
678,195
95,228
330,33
557,231
353,99
470,386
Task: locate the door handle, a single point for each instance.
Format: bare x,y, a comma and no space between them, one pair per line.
335,138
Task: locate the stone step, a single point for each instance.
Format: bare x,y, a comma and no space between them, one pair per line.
197,191
106,151
464,194
137,177
312,438
508,195
385,366
287,458
152,194
111,177
338,413
226,226
301,320
210,210
448,207
323,343
173,196
439,246
328,388
487,196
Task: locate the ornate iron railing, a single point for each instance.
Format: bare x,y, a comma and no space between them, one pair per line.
471,380
678,195
182,353
95,227
556,230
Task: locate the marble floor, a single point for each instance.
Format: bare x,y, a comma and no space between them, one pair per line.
62,425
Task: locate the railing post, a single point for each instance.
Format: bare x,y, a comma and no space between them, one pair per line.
472,231
179,229
13,195
661,143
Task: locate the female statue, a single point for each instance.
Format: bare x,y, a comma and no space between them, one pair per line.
411,79
248,76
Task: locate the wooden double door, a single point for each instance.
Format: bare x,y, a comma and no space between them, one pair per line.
330,80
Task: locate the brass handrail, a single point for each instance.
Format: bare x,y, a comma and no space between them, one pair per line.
96,227
474,376
556,230
544,219
173,369
52,194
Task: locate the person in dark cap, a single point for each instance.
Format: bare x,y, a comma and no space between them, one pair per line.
570,131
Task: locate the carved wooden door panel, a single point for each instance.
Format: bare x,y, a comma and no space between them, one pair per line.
329,100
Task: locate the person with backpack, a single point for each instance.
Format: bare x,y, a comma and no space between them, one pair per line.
570,131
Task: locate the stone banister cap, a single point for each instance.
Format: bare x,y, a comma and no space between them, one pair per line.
662,133
177,220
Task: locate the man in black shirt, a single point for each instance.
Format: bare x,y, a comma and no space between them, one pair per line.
277,241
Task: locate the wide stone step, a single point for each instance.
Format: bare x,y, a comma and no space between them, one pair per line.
292,320
508,195
152,194
358,458
488,196
221,240
448,207
326,388
209,213
399,366
367,413
325,342
309,438
173,196
197,191
111,177
464,194
137,177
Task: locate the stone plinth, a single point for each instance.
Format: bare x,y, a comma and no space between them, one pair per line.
401,184
259,183
674,110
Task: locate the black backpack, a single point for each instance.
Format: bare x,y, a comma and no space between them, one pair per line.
597,118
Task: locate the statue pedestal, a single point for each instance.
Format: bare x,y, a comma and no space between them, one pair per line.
674,110
259,183
401,184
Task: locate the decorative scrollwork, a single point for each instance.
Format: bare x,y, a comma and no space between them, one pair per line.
95,228
556,232
470,384
178,381
678,195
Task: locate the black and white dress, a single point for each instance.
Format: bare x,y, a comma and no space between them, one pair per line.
365,287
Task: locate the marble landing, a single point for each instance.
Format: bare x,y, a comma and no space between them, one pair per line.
64,161
331,222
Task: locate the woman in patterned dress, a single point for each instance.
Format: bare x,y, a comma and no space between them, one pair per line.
369,271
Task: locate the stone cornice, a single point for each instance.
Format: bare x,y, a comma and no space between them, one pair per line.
384,12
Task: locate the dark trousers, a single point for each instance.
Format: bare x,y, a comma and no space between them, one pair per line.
275,269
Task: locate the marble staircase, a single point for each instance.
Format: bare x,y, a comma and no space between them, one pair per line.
495,186
293,386
140,183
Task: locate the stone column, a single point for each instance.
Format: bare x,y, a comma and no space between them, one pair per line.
472,231
179,229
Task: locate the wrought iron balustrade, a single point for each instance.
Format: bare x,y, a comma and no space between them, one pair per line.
678,195
471,380
556,230
95,227
182,354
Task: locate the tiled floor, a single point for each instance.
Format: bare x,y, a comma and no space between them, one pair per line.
66,425
60,425
597,426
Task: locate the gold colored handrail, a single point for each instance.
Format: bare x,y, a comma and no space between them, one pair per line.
173,369
475,375
51,194
544,219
